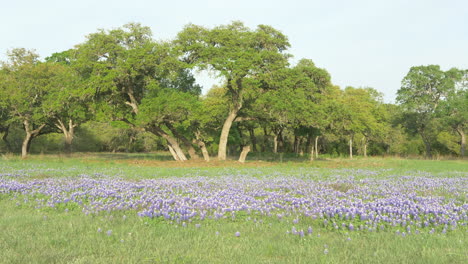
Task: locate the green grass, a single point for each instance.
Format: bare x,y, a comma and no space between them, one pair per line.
29,235
150,166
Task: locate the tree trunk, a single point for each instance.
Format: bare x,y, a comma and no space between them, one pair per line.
190,149
280,141
253,139
428,149
312,153
364,139
365,149
173,153
225,133
316,147
243,155
463,141
30,134
308,144
427,143
201,145
300,151
68,134
265,139
275,144
351,148
172,142
5,131
296,145
24,147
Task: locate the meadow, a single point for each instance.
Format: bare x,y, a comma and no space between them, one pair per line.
137,209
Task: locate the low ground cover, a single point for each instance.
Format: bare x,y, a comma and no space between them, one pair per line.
100,212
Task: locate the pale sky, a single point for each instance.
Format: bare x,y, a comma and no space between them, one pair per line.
362,43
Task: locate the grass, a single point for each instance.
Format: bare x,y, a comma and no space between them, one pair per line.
32,235
151,165
71,237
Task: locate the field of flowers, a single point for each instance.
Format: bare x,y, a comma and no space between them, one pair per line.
56,212
407,204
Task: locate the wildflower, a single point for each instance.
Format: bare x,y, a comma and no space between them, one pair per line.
237,234
99,230
309,230
293,230
301,233
109,232
197,225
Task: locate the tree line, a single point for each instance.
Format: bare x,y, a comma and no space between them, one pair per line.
122,83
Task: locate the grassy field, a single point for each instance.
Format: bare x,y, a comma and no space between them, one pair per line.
68,232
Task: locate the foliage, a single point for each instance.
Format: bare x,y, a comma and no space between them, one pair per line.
120,85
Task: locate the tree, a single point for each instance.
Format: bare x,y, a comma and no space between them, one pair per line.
5,119
454,113
421,92
25,84
239,55
68,105
125,66
355,112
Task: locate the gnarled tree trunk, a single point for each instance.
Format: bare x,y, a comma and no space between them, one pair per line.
173,153
171,141
225,132
68,133
190,149
351,147
30,135
201,145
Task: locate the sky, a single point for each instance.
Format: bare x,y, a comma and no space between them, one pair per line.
361,43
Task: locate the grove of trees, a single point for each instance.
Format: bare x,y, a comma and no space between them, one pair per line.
121,90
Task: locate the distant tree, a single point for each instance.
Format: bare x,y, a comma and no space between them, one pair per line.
5,118
239,55
454,111
26,82
68,104
356,112
422,90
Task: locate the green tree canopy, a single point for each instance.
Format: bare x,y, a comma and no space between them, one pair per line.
241,56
